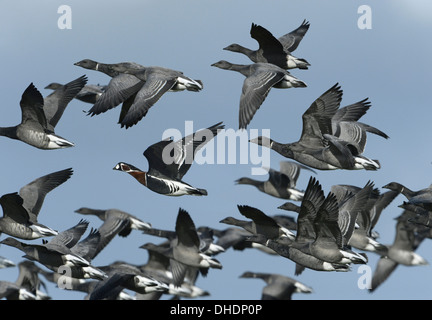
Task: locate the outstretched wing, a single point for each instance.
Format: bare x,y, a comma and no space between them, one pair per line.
71,236
292,170
317,118
255,89
290,41
34,193
153,89
118,90
271,49
312,200
12,205
56,103
32,112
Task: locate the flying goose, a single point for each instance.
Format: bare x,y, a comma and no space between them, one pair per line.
330,243
298,255
12,291
54,257
21,210
260,78
6,263
422,216
278,287
61,253
421,198
260,224
184,251
400,252
169,161
321,148
121,89
137,87
28,277
280,184
205,234
122,276
321,231
158,266
364,237
90,93
110,217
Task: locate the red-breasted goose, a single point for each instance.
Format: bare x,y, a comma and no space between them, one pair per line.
137,87
169,161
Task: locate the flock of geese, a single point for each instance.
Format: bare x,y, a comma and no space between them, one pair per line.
330,232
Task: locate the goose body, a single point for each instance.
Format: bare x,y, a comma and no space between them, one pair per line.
166,179
319,146
136,87
21,209
280,184
40,116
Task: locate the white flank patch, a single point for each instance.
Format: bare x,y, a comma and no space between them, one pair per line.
43,231
57,143
296,195
139,225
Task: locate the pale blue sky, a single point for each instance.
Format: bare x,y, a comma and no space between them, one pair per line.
389,63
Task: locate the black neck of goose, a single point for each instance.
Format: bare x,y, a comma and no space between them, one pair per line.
250,181
281,148
234,221
107,69
9,132
250,53
17,244
406,191
97,212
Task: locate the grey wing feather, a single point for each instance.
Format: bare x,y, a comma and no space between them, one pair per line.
107,231
118,90
384,269
317,118
71,236
87,248
292,170
254,91
147,96
56,103
34,193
